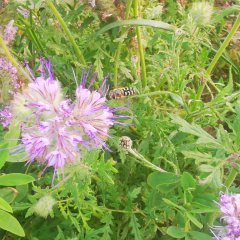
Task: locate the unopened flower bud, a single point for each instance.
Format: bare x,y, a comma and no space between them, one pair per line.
125,142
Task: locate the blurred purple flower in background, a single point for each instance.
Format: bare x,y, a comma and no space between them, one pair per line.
8,73
9,32
9,83
5,116
23,11
229,205
55,129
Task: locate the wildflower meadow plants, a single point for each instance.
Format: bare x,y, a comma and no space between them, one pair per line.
159,162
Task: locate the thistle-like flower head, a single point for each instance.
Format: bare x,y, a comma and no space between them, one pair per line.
200,13
55,128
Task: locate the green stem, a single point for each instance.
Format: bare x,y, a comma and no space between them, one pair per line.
224,45
144,160
140,47
219,54
13,60
119,48
231,177
67,31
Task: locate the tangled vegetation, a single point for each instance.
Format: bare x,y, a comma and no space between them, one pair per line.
159,169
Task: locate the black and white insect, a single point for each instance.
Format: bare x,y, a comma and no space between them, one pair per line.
121,92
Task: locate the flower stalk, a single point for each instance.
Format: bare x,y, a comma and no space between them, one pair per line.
144,161
119,48
224,45
67,31
140,46
219,54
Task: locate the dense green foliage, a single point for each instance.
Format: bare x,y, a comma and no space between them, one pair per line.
186,121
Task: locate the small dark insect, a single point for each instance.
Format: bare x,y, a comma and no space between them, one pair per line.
121,92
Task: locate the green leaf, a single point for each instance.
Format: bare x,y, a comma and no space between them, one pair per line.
236,128
199,236
15,179
156,178
8,193
225,91
5,206
194,220
176,232
194,129
10,224
12,136
134,193
135,22
177,98
135,228
187,181
4,154
200,157
167,201
20,157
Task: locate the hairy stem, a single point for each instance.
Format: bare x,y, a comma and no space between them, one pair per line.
224,45
144,161
67,31
219,53
119,48
140,47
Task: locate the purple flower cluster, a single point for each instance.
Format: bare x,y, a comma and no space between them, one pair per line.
55,129
8,76
230,215
8,73
9,32
5,116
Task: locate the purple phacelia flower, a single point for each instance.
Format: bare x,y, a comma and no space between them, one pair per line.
9,32
5,116
9,83
54,128
229,205
8,75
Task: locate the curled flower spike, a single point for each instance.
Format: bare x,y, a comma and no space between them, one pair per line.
9,32
55,128
229,205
